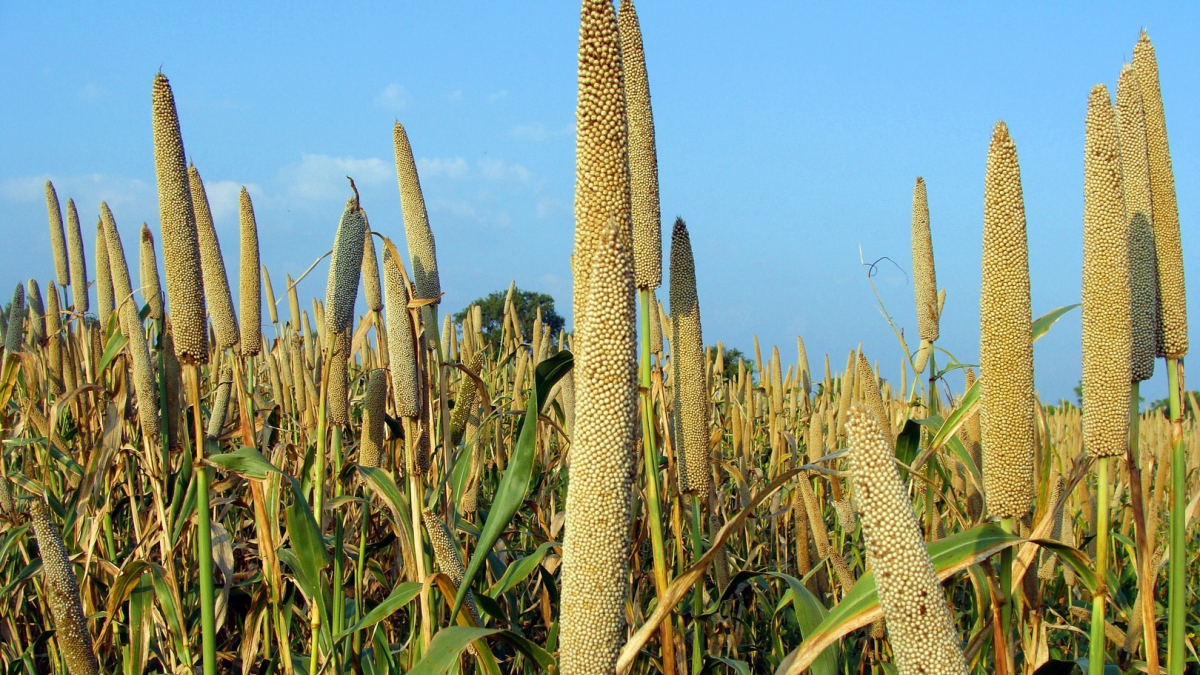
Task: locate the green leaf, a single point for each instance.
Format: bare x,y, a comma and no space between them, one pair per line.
383,484
861,605
308,554
400,596
514,484
1045,321
247,462
908,443
519,570
116,342
1075,559
446,646
711,663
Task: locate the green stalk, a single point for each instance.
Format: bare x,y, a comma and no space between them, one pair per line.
360,568
1176,571
339,597
318,493
1096,642
208,625
930,473
1006,607
697,596
417,502
653,493
1137,500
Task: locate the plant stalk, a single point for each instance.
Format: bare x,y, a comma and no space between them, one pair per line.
1096,641
208,626
1177,570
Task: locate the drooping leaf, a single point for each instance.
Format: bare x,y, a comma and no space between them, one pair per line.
399,597
245,461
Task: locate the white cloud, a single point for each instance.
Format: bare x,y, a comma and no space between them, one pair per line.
548,207
394,97
455,207
499,171
496,96
456,96
430,167
90,92
538,132
224,197
88,190
324,177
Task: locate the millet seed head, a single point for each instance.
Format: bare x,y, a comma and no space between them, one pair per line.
345,265
338,391
449,560
1107,335
370,274
1143,260
53,310
919,623
220,404
148,267
687,359
402,355
37,313
643,159
601,152
1171,292
58,238
595,567
924,277
249,281
1006,337
212,265
62,594
105,297
422,251
271,307
370,449
180,243
872,398
77,260
14,332
464,400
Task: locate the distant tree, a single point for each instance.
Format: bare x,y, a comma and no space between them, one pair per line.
526,304
732,355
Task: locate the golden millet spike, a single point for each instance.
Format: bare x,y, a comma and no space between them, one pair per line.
293,304
54,345
643,159
596,548
449,560
14,333
37,313
1171,291
1107,335
464,400
345,266
370,449
422,251
220,404
1143,263
872,398
691,390
918,620
370,274
62,594
249,281
338,391
77,260
180,243
151,290
924,276
58,238
1006,337
401,350
272,310
104,290
212,266
131,327
174,378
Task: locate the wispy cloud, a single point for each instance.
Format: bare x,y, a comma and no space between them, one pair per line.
539,132
430,167
223,199
394,97
460,208
548,207
496,96
324,177
499,171
90,92
88,190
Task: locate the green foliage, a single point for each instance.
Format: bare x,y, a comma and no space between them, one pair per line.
526,304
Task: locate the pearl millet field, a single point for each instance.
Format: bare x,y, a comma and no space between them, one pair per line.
189,486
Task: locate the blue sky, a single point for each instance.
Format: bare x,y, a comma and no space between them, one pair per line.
789,137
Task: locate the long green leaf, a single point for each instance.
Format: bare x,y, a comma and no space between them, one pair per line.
518,571
861,605
400,596
245,461
1045,321
514,484
446,646
116,342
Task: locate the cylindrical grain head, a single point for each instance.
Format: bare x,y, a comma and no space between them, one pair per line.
174,378
345,265
54,340
804,373
370,274
104,290
1106,322
148,267
691,390
643,159
601,153
449,560
401,350
77,261
181,248
420,459
872,398
37,313
14,332
220,404
422,252
338,391
131,327
1171,291
1143,263
293,304
271,306
919,623
212,265
924,278
656,333
1006,337
370,449
464,400
58,239
296,358
62,594
249,286
596,549
1046,566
